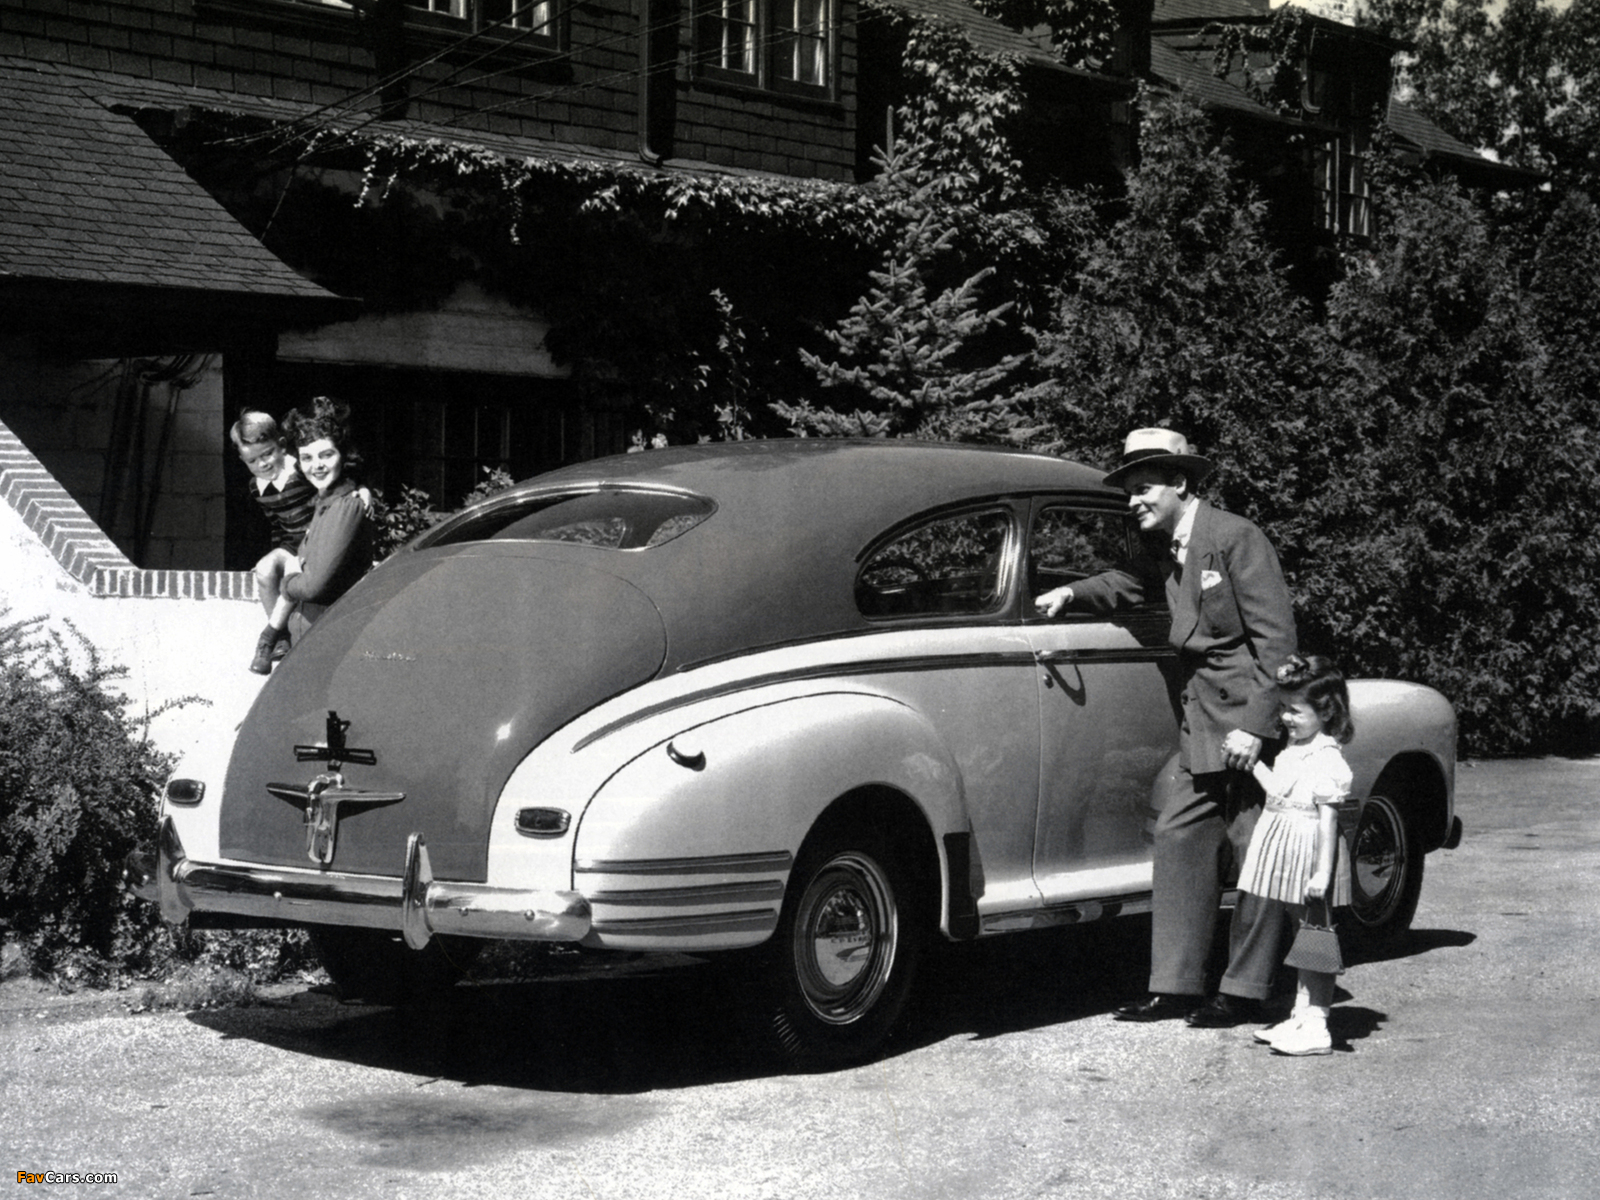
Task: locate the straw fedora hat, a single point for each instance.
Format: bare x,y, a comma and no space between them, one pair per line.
1159,448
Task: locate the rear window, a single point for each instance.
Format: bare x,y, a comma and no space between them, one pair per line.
612,519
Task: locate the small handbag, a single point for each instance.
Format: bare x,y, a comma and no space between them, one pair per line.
1316,945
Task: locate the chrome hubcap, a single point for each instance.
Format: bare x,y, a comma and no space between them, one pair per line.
1379,862
845,936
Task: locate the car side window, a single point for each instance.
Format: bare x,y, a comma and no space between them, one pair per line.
951,565
1068,544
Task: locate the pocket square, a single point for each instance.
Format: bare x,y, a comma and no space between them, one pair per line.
1209,579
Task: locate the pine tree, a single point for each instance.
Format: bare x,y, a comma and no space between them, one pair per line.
913,358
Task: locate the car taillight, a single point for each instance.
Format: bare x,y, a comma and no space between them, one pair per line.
187,792
543,822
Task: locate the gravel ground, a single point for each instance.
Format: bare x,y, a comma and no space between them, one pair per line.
1467,1069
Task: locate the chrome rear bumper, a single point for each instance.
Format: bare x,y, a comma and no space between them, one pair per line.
416,904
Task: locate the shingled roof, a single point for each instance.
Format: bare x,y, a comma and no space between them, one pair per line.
86,196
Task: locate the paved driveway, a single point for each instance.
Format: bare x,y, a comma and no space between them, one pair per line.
1469,1068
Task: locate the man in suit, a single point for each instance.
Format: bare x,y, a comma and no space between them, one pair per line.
1232,626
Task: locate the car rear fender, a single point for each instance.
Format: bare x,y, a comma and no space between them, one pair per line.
706,824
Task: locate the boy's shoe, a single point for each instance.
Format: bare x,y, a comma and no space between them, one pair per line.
261,664
1303,1039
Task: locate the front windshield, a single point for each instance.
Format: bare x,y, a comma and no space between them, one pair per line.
611,518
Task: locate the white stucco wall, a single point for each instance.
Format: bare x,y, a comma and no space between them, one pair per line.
171,648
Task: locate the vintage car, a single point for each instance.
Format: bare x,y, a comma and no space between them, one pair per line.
787,700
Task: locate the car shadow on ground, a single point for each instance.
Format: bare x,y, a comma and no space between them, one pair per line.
626,1024
631,1024
1409,944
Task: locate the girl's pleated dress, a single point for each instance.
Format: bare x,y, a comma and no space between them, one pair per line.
1283,849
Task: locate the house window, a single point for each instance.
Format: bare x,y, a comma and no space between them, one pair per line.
785,45
1340,175
801,40
730,36
534,19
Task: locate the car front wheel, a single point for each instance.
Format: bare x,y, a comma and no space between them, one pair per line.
841,964
1386,872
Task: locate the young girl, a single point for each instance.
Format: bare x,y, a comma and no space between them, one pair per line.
288,499
337,550
1294,854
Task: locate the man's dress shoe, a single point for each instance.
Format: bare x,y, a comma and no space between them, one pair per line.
1154,1007
1222,1011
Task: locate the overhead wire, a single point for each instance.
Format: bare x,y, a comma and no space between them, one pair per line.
346,102
759,44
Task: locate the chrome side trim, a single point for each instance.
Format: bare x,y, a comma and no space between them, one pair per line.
417,905
763,920
841,670
1076,912
711,864
711,893
1094,655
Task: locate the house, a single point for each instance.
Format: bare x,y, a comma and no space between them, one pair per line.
1302,90
185,225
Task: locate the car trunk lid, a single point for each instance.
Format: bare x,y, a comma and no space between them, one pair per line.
445,668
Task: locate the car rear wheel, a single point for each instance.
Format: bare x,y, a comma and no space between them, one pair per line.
1386,872
840,966
377,966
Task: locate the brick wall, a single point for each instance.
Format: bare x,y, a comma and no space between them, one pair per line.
313,54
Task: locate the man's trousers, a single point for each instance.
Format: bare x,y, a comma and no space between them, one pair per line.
1202,830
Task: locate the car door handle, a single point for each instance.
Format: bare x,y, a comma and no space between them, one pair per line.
694,760
1055,656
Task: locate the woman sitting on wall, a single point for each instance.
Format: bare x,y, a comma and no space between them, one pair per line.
337,550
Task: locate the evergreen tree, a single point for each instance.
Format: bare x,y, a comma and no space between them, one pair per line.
1181,315
1566,297
1458,548
914,358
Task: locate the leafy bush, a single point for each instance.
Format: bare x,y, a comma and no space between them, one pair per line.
1421,453
78,784
413,513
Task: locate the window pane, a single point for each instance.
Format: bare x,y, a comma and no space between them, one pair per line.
728,35
1070,544
518,14
949,566
612,519
448,8
801,34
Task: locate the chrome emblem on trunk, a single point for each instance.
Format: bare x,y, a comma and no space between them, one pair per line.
322,797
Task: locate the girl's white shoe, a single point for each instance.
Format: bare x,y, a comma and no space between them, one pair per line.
1266,1034
1301,1039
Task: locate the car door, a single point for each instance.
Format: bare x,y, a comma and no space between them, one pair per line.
1107,711
942,593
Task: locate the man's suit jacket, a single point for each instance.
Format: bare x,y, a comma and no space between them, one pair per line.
1232,626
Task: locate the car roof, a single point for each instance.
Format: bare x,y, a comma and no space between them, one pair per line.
901,475
776,562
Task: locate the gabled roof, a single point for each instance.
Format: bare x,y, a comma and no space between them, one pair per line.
1198,11
985,32
1429,141
1183,60
86,196
1032,46
1183,57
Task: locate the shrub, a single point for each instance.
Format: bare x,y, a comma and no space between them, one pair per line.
78,784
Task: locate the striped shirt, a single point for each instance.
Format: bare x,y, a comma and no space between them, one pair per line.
289,501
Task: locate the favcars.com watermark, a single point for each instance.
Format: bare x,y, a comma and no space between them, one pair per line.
66,1177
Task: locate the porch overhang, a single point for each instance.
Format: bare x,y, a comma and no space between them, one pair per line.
103,237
